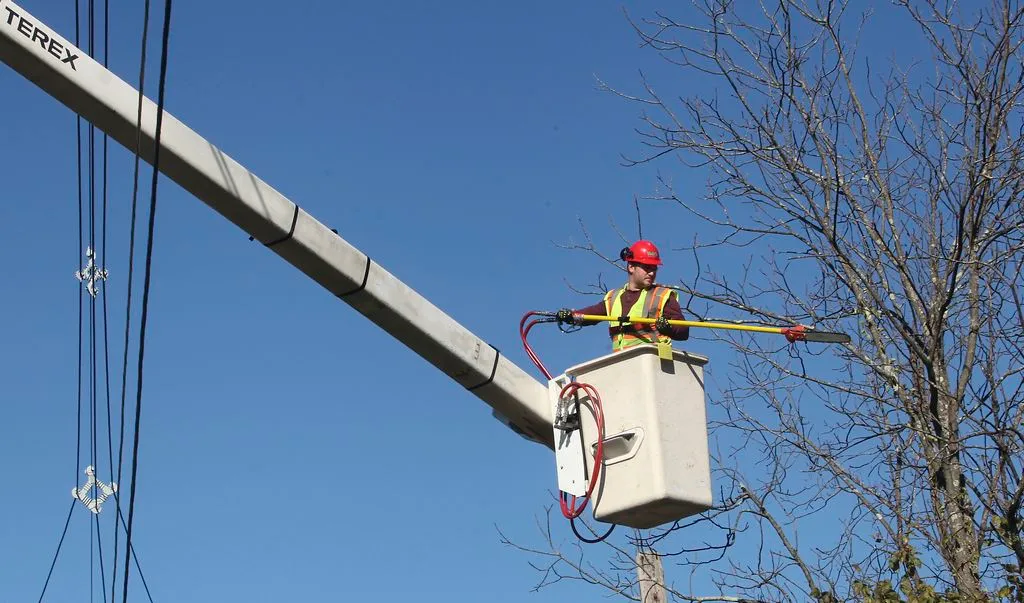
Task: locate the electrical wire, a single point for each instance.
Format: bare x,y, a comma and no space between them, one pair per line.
97,263
147,282
78,259
81,320
53,563
601,538
135,558
105,313
99,549
131,269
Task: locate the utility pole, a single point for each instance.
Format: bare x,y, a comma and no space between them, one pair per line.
650,576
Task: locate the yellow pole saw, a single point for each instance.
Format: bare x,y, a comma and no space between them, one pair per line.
792,334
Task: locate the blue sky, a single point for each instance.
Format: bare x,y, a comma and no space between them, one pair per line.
290,450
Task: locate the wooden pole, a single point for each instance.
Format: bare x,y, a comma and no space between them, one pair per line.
651,576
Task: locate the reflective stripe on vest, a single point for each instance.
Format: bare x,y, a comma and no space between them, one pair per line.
650,304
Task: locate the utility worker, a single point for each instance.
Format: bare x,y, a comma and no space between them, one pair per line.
639,298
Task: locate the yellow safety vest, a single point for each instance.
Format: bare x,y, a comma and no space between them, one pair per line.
650,304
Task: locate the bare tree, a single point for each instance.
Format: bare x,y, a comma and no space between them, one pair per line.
878,197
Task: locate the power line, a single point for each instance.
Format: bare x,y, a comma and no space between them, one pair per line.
99,548
147,281
106,320
135,558
131,273
102,264
78,256
79,379
96,261
95,535
55,555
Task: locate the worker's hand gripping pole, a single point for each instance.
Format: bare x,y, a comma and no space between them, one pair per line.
792,334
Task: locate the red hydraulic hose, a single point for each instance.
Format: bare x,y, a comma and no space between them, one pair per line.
569,508
524,332
568,502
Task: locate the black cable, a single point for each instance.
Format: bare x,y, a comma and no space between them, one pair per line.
106,331
92,535
99,548
94,440
146,282
93,265
67,522
94,490
141,576
103,255
572,523
131,275
135,557
92,400
78,260
78,256
106,379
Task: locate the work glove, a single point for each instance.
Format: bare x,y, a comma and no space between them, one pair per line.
565,317
662,326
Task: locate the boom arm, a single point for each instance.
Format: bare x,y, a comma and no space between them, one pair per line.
86,87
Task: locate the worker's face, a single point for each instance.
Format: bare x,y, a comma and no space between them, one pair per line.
642,276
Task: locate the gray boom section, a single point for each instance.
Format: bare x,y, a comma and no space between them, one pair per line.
86,87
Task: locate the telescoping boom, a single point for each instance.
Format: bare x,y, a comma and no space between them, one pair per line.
87,88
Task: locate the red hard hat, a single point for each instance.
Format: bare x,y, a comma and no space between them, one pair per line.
642,252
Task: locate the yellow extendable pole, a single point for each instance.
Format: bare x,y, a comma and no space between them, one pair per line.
796,333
